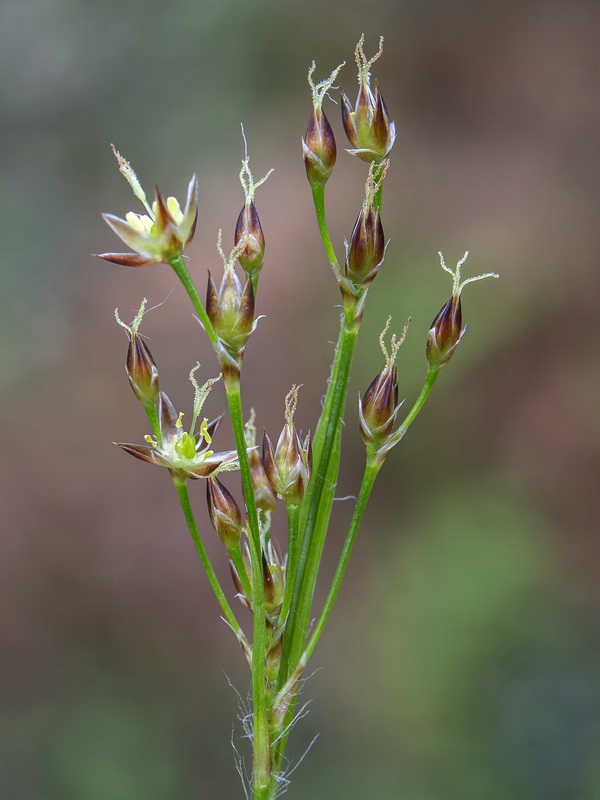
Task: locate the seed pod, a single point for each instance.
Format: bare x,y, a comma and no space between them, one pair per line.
225,516
248,231
319,148
142,371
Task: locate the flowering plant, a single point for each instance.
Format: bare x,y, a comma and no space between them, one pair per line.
272,578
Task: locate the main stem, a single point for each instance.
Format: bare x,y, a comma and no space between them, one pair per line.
261,743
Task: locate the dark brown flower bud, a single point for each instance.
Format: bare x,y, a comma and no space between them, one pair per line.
367,246
249,232
264,495
379,406
445,333
225,516
318,148
288,467
231,310
142,371
446,329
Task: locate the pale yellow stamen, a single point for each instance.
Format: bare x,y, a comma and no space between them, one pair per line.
175,210
142,222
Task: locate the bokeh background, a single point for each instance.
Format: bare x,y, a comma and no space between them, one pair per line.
462,660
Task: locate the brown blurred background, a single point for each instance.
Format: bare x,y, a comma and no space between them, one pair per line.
462,660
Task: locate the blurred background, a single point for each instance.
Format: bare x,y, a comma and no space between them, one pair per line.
461,662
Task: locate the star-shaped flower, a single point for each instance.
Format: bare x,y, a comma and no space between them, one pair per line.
185,453
162,233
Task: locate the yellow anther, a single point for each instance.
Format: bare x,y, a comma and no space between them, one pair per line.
150,440
204,431
175,209
179,423
140,221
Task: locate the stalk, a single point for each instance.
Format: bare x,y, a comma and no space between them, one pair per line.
374,464
293,515
261,744
184,499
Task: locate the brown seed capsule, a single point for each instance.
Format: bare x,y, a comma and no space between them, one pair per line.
225,516
142,371
319,148
248,230
445,333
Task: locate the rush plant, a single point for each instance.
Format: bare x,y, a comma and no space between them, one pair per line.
275,573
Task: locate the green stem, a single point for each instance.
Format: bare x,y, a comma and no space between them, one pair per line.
293,515
261,743
318,193
430,379
372,468
371,471
310,552
184,499
181,270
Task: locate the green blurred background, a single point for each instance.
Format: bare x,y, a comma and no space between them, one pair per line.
462,660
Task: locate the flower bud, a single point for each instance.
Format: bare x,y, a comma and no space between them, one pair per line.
368,125
379,407
446,329
225,516
445,333
367,246
318,145
318,148
273,580
264,496
288,467
249,231
142,371
231,310
365,252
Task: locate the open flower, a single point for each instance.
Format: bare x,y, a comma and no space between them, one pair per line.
162,233
185,453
